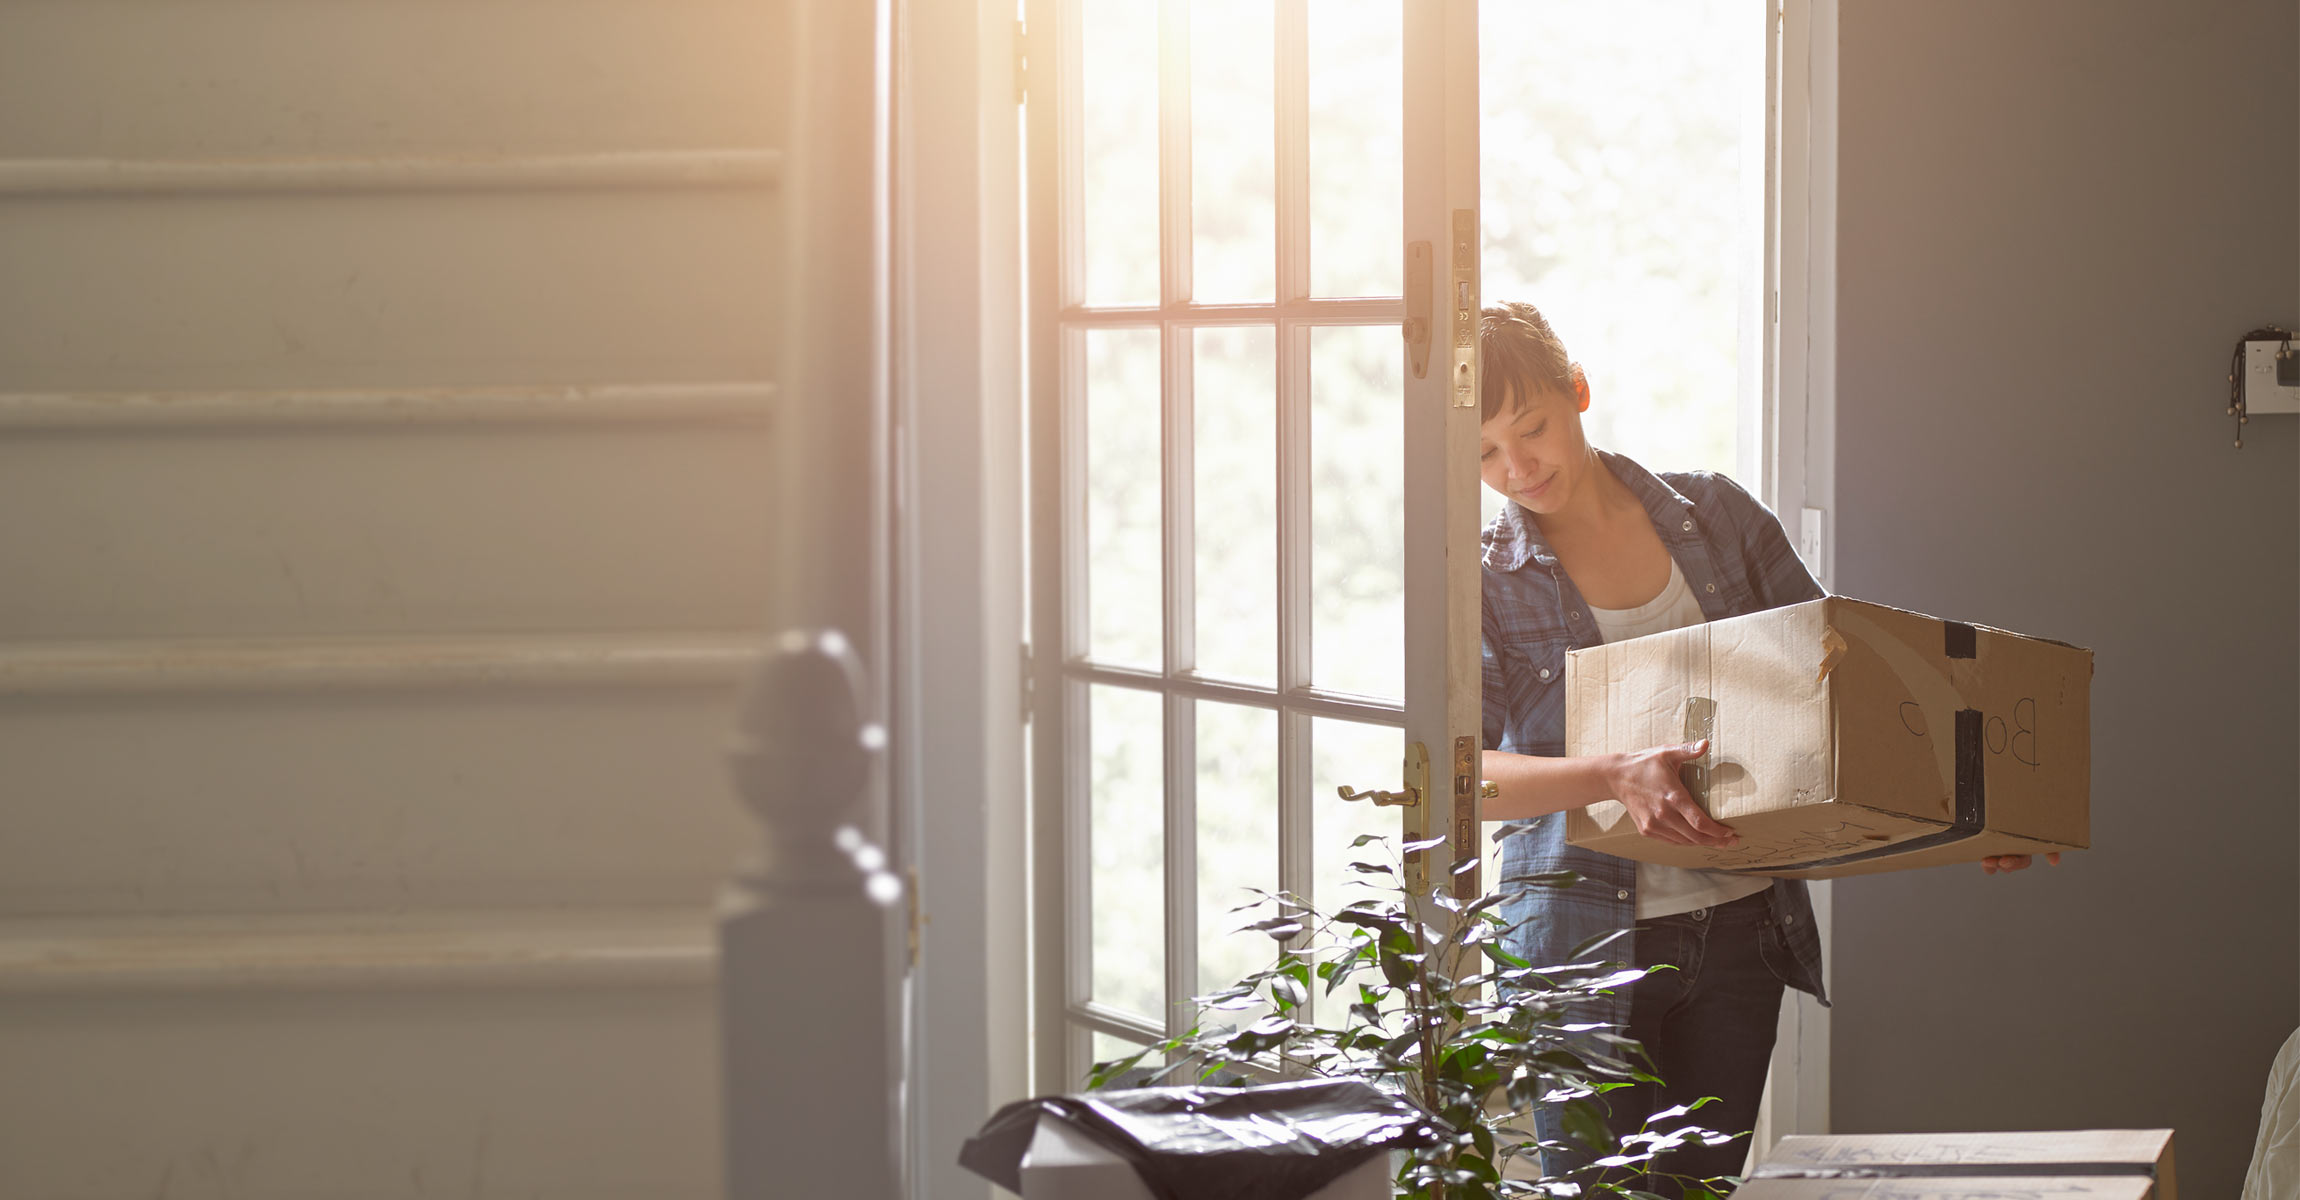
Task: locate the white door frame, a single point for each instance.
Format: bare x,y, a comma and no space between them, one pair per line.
1444,680
1799,461
958,262
958,574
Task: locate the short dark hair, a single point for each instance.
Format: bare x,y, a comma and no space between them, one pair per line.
1520,350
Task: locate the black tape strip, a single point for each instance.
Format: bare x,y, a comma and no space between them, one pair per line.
1959,640
1972,804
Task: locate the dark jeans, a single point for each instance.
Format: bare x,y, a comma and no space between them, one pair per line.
1708,1026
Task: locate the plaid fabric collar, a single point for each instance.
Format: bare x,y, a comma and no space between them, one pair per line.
1513,540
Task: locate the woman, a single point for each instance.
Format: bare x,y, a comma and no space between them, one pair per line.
1594,548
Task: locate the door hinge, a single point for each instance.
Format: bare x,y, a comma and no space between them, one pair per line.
1029,688
917,916
1021,62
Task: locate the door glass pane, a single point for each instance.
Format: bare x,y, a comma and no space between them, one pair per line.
1233,173
1364,757
1123,563
1357,148
1107,1048
1235,415
1237,842
1361,756
1126,824
1118,133
1357,510
1623,193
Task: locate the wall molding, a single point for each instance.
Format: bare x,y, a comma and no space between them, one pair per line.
614,404
352,951
207,665
647,169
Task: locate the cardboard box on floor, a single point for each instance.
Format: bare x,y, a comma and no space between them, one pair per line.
1845,738
2130,1164
1979,1188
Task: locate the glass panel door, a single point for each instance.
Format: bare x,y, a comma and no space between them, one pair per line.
1254,515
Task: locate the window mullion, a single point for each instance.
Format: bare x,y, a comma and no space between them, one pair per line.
1296,820
1291,76
1293,468
1178,537
1177,611
1181,734
1181,861
1174,285
1291,146
1069,166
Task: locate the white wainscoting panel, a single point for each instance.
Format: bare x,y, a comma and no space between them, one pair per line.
388,430
253,532
134,78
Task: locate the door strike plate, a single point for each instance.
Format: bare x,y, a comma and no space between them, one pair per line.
1464,295
1417,326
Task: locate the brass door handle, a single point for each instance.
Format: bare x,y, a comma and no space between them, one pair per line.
1405,797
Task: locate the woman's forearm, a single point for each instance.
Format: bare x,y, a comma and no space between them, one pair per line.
1532,786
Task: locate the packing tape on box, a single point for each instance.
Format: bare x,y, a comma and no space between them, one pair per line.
1972,811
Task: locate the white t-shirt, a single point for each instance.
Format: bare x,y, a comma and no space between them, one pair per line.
1663,891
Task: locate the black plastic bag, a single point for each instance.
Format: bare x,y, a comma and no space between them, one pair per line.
1280,1141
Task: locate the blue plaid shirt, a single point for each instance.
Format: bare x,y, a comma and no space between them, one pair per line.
1737,561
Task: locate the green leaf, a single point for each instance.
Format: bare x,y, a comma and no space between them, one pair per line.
1548,879
1103,1072
1279,928
1583,1124
1592,945
1260,898
1494,951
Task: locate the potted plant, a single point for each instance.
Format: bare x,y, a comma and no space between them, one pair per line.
1432,1007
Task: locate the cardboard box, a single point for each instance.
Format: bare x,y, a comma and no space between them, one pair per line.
1978,1188
1064,1163
2130,1163
1845,738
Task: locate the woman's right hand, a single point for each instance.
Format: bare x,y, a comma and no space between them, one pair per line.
1648,784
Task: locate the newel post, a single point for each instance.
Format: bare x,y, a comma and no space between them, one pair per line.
813,927
810,940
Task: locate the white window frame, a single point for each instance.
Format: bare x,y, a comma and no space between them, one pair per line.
1063,669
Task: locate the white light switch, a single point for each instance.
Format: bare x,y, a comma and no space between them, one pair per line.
1812,540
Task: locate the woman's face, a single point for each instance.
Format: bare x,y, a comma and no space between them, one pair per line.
1533,450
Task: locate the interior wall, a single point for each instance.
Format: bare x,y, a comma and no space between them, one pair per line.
2055,217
